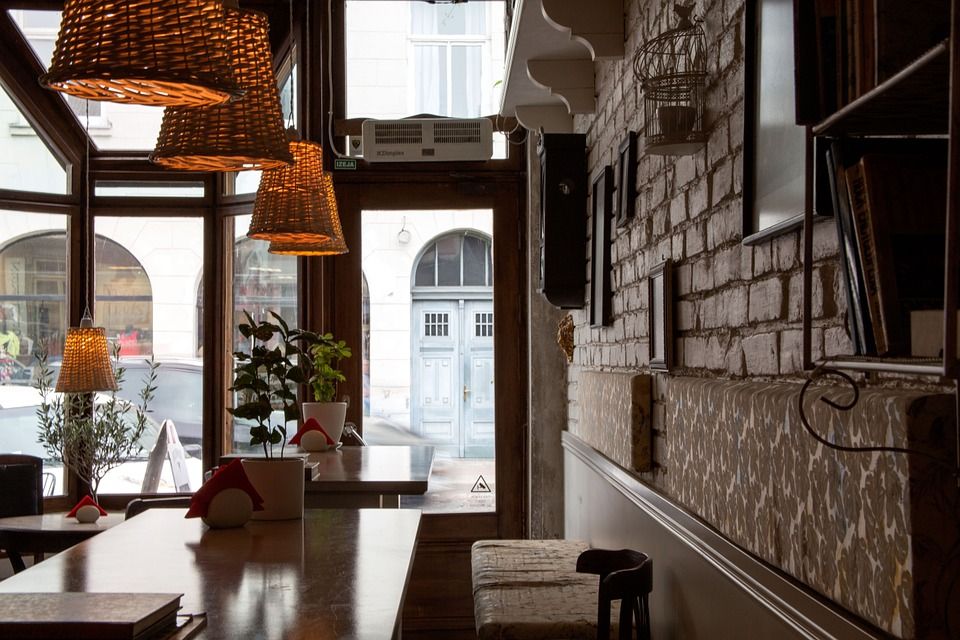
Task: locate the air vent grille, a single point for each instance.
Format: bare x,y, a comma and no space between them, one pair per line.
398,133
456,132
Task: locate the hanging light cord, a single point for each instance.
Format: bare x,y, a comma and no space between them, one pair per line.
329,63
293,81
821,372
87,214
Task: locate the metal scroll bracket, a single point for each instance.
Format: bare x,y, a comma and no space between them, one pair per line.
821,372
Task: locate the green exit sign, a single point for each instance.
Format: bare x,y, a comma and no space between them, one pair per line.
345,164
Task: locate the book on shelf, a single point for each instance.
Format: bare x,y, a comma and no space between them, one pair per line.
898,208
83,616
850,266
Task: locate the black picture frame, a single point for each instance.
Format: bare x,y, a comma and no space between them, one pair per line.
660,315
601,200
625,203
775,153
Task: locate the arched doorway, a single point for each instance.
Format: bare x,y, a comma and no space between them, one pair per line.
452,390
37,302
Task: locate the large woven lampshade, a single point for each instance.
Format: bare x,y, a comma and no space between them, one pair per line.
295,204
150,52
332,245
240,135
86,360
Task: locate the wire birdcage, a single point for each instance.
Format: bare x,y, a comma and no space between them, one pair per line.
672,70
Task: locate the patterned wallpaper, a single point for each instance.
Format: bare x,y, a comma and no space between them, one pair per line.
873,532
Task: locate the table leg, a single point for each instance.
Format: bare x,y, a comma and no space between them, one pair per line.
390,501
16,560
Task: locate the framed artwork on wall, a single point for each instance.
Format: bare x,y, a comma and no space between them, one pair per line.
602,209
626,177
775,147
660,313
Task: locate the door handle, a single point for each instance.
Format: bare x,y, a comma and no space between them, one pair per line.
465,392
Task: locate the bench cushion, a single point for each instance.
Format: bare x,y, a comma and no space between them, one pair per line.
530,590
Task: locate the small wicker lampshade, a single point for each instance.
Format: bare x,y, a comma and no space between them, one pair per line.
296,204
150,52
246,134
332,245
86,360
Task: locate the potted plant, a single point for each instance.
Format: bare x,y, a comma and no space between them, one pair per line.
90,434
264,383
324,354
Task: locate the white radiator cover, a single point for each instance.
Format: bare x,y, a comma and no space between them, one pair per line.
427,140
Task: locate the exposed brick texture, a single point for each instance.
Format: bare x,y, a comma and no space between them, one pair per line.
737,308
729,297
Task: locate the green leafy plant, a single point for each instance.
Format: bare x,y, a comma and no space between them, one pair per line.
265,379
324,376
88,435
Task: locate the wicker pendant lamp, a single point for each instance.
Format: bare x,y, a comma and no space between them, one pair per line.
86,360
332,245
149,52
296,204
241,135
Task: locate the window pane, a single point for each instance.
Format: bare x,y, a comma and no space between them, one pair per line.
429,353
33,312
474,261
148,275
112,126
448,19
262,283
426,269
448,261
395,51
430,66
120,188
465,78
26,163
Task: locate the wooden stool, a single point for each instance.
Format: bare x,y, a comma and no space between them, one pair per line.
627,576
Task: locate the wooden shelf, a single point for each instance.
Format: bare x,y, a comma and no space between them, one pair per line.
913,102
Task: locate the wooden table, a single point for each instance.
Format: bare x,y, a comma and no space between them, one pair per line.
334,574
47,533
365,477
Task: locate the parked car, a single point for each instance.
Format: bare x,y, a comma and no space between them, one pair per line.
179,394
19,426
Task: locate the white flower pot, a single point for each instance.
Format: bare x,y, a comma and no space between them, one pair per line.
279,481
330,415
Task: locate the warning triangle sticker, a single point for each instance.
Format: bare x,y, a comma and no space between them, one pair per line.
480,486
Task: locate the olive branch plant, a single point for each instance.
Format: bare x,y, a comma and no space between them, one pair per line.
87,434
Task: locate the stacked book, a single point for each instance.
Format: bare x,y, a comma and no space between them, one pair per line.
101,616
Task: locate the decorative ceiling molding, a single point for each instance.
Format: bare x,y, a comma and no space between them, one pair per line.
599,29
550,60
570,80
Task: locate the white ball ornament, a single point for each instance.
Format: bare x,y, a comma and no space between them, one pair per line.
88,514
229,508
313,441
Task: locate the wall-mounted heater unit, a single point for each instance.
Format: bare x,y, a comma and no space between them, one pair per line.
427,140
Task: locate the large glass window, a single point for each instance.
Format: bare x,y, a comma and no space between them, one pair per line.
412,58
26,163
148,272
428,347
33,313
262,283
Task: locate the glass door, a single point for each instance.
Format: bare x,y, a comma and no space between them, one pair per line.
427,347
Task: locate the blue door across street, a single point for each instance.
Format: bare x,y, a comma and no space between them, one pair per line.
453,376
